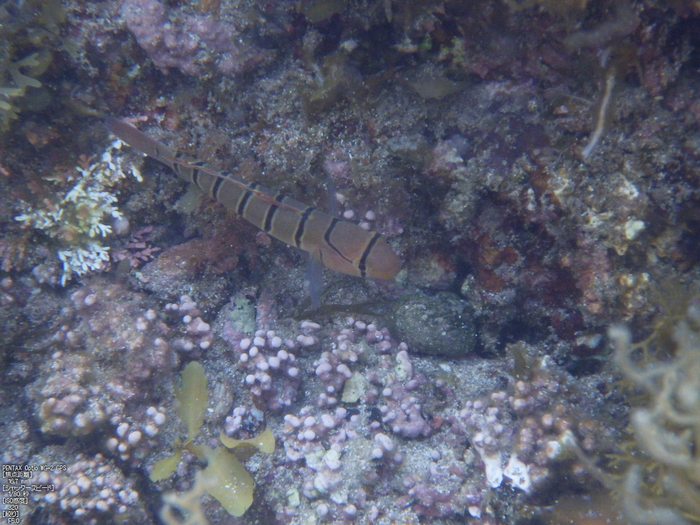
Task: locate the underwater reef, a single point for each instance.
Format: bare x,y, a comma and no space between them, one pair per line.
536,166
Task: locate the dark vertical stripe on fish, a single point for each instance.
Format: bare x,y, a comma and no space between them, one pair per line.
268,218
215,188
242,204
363,260
327,238
302,224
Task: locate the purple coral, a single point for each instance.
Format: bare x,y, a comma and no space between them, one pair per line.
91,489
273,377
188,44
107,353
196,334
132,437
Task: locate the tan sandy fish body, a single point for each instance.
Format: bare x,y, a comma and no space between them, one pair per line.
339,245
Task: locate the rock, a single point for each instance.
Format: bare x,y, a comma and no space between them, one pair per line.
440,325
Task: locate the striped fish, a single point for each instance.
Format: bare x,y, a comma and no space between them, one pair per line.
337,244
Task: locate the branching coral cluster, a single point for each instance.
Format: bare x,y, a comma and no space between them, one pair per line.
83,213
337,448
109,350
89,488
367,431
106,352
668,428
520,432
196,334
132,439
273,378
360,422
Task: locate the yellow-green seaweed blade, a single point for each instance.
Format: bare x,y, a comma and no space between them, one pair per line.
228,481
264,442
192,398
163,468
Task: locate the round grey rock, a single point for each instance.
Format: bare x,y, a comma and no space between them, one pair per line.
439,325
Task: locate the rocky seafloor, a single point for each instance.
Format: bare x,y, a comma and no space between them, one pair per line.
535,166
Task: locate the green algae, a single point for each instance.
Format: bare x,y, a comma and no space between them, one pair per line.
225,477
264,442
192,397
164,468
27,34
